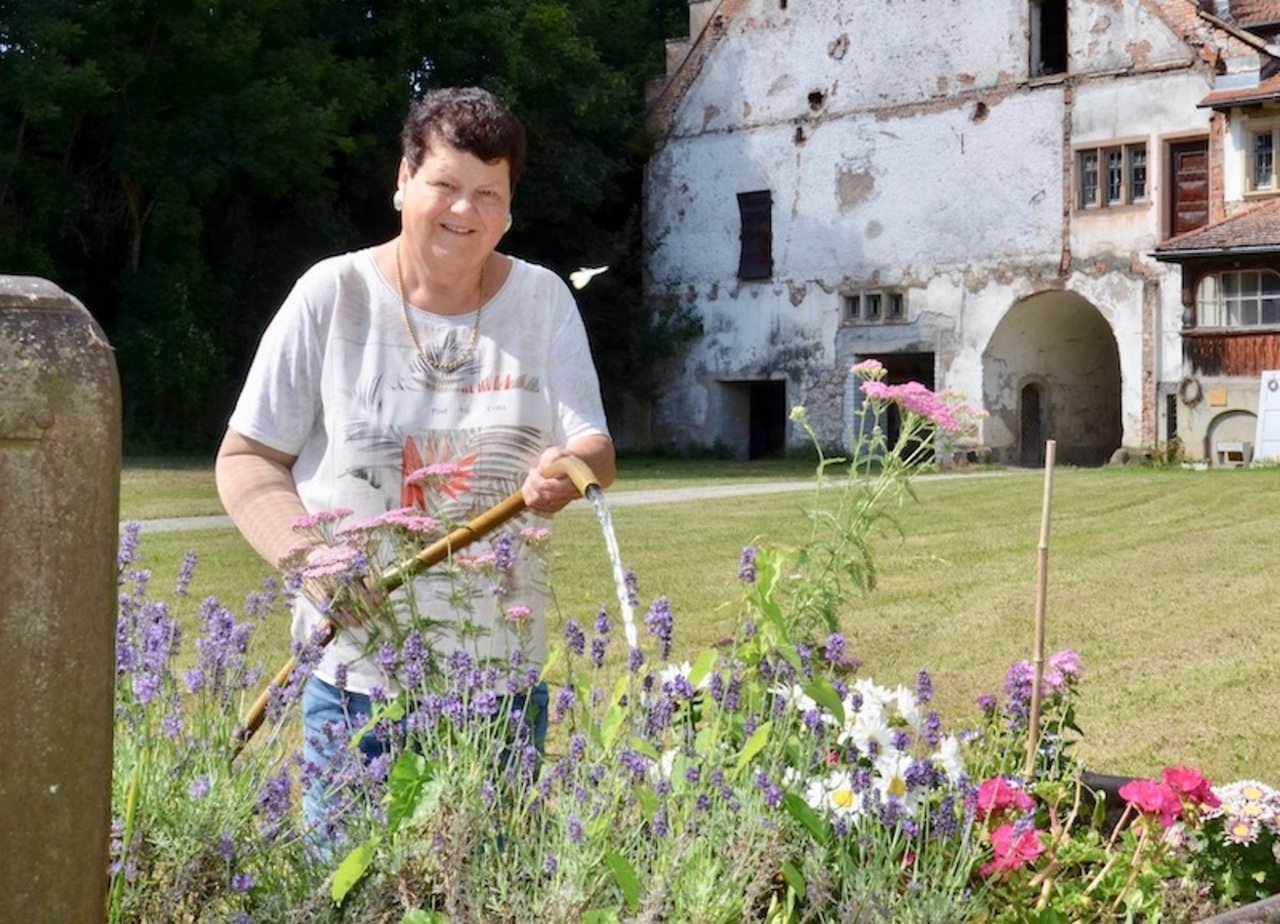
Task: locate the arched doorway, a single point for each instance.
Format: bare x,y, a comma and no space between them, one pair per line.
1052,371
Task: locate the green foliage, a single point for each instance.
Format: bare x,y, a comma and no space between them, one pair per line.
177,165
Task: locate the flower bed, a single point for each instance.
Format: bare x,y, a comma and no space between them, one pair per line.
771,778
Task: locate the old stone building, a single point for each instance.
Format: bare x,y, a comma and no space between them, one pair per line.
1059,208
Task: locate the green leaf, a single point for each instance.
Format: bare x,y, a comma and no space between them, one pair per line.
611,725
405,784
392,712
600,916
755,744
794,878
424,917
703,666
552,660
352,869
645,747
825,696
804,813
625,875
1051,916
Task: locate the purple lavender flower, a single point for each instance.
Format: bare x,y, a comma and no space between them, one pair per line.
659,826
550,865
574,638
387,658
127,552
747,565
198,788
924,687
933,729
920,775
633,588
660,624
835,647
186,571
566,698
635,660
242,882
987,703
577,745
504,557
772,794
574,826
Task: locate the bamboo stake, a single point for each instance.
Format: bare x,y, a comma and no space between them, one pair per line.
1042,571
393,577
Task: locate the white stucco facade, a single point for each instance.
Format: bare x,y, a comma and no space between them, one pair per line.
909,151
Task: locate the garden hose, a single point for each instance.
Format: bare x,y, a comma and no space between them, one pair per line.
393,577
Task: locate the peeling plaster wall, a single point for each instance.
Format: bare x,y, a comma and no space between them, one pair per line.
913,156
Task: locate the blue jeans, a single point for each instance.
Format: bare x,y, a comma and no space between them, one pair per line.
324,705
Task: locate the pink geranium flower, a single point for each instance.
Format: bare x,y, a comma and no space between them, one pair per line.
1152,798
998,794
1191,784
1013,849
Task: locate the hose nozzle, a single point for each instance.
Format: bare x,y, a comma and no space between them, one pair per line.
578,472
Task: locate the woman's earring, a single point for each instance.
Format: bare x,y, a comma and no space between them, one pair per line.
397,200
507,226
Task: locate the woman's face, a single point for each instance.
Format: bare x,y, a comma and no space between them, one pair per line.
455,205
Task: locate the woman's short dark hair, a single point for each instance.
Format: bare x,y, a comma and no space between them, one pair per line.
469,119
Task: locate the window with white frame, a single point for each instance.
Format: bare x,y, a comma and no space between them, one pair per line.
1111,176
1239,298
1260,166
875,306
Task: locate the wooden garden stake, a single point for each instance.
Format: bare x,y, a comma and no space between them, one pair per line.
1042,570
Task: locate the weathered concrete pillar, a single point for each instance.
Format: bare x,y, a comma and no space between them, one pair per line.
59,506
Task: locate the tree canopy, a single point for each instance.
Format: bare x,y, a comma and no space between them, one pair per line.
177,164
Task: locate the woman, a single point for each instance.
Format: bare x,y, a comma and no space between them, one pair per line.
430,348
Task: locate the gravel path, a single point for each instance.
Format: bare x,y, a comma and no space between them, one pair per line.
618,499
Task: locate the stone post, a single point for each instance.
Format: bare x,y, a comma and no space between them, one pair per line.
59,511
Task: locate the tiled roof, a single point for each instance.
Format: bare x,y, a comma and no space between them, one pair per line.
1240,96
1255,229
1255,12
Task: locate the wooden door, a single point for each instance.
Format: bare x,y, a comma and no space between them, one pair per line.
1189,172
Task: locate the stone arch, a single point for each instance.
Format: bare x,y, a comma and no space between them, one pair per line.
1055,350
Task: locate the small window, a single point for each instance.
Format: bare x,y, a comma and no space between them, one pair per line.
874,306
755,258
1262,160
1111,176
1239,298
1048,35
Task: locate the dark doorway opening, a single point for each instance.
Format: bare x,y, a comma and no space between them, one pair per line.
1032,436
767,438
754,423
1048,37
899,369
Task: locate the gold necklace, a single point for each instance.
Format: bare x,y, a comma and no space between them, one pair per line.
456,363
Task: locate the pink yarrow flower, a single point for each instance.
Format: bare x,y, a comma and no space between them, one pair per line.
1013,849
871,369
916,399
334,560
314,520
519,615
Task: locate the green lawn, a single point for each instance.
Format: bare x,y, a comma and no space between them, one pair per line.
1159,578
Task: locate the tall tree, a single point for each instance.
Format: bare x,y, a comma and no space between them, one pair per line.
177,164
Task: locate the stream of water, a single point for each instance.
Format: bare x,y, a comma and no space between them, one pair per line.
596,497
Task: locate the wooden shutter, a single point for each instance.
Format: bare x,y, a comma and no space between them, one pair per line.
755,259
1189,167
